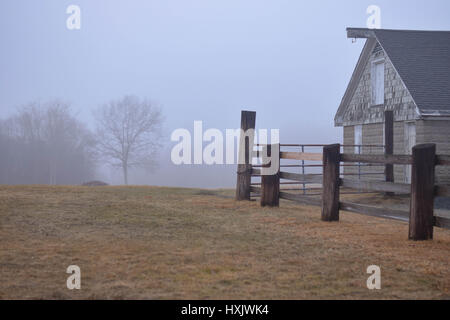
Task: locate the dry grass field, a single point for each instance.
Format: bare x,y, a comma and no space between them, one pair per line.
164,243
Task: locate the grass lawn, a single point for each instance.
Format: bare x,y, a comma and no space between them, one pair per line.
164,243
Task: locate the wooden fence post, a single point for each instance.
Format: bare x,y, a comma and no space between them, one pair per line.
330,187
270,183
244,168
389,145
422,192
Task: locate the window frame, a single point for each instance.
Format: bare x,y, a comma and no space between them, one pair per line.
357,146
373,82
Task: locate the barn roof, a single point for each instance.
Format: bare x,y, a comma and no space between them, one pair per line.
422,60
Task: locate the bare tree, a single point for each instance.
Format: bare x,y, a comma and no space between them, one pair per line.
128,132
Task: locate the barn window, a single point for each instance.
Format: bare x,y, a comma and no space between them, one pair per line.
377,76
358,139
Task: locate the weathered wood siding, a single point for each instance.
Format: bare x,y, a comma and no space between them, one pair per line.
349,138
396,96
399,148
373,135
438,132
427,131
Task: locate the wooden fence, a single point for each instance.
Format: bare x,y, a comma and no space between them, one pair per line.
314,161
422,189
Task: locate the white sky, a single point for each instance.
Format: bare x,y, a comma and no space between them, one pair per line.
200,59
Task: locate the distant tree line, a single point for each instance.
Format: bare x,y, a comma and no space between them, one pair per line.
45,143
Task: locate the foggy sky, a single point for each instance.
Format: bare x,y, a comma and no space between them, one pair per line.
289,61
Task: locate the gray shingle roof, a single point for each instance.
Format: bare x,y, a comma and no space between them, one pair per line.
422,59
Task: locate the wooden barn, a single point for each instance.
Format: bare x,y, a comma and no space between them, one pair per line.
407,72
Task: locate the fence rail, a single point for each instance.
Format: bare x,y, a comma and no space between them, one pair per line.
379,186
301,156
308,200
375,158
442,191
441,222
374,211
443,160
301,178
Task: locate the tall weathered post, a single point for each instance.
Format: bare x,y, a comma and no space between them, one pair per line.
422,192
330,187
270,176
389,145
244,168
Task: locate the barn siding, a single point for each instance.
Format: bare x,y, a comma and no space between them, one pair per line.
349,139
438,132
396,96
399,148
373,134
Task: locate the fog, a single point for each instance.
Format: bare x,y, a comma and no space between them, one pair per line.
289,61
